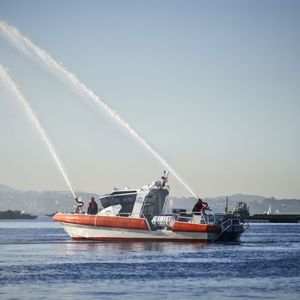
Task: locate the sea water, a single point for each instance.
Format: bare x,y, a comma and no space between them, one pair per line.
39,261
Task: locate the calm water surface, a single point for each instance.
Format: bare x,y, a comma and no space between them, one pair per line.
39,261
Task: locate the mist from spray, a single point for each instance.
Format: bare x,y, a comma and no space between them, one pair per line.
7,80
19,40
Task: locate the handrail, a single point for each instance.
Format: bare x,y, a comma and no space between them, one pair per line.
139,215
205,217
230,221
223,230
109,213
246,225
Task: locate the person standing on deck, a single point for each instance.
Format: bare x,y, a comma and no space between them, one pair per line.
93,207
79,206
200,207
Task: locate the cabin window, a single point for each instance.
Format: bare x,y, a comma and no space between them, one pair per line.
126,201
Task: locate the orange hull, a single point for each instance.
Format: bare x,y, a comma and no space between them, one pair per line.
103,221
117,228
191,227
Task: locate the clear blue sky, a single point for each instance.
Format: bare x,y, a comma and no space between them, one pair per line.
214,86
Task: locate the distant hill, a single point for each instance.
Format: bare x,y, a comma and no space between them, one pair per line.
6,188
39,202
241,197
257,204
53,201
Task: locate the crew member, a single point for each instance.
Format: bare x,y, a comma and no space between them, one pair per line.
164,179
200,207
79,206
93,207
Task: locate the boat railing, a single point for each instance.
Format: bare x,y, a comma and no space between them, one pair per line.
231,223
234,222
245,223
197,217
226,224
133,215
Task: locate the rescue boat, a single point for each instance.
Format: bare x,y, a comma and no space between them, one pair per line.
138,215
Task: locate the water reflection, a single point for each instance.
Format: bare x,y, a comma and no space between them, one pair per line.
133,246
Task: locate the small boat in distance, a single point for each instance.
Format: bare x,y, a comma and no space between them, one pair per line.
138,215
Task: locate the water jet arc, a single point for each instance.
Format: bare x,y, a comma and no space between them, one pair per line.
14,35
7,80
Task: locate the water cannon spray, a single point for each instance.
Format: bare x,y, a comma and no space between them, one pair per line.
14,89
20,41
